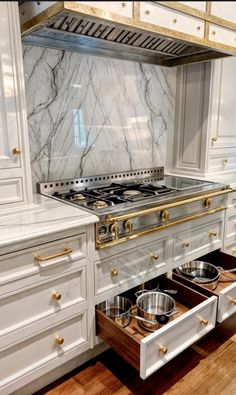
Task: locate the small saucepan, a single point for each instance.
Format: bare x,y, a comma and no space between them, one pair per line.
155,307
202,273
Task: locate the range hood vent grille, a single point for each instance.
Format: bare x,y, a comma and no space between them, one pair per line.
90,34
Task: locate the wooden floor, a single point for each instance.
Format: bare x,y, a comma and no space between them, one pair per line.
208,367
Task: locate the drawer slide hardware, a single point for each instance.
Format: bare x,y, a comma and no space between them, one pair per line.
40,258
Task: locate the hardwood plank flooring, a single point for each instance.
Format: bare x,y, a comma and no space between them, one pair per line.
208,367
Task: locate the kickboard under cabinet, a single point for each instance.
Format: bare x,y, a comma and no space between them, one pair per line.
226,288
144,350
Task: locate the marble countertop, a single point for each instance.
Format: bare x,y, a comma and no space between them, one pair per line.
46,217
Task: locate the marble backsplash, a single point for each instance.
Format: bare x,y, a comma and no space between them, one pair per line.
91,115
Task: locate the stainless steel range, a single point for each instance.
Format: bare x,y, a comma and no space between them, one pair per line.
139,202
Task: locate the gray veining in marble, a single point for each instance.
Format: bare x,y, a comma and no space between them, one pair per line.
91,115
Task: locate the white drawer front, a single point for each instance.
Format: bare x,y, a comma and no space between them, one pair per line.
231,201
222,35
227,303
222,163
20,270
177,336
39,302
174,20
196,242
27,356
117,7
198,5
230,227
120,269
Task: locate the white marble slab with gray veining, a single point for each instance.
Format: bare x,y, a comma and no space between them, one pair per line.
91,115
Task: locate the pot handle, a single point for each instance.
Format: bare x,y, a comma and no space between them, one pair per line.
140,292
171,313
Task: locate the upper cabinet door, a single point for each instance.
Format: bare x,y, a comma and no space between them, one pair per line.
223,114
123,8
224,9
9,138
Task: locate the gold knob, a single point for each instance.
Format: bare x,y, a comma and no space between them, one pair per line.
56,295
226,161
214,139
147,12
198,27
16,151
174,20
207,202
129,226
213,33
165,216
185,244
114,273
163,349
114,228
154,257
212,233
59,340
233,301
123,5
204,322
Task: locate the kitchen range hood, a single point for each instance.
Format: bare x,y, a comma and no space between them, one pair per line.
74,26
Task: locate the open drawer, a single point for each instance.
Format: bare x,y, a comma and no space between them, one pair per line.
148,352
226,289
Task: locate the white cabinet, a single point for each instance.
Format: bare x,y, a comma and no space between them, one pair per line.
44,309
205,133
122,8
224,9
198,5
15,182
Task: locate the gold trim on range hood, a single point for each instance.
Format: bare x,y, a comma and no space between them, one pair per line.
80,28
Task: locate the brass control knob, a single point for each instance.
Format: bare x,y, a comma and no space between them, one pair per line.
114,273
59,340
56,295
163,349
16,151
128,225
114,229
207,203
165,216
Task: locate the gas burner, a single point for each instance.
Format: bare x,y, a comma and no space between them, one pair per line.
78,196
131,193
99,204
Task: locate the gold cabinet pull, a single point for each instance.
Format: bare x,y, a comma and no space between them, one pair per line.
211,234
123,5
213,33
185,244
198,27
59,340
56,295
147,12
154,257
163,349
204,322
114,273
207,203
214,139
114,228
16,151
129,226
165,216
232,300
40,258
226,161
175,20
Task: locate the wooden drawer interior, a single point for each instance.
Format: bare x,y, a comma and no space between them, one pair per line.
216,258
127,341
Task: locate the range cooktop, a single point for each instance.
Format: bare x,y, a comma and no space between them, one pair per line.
125,192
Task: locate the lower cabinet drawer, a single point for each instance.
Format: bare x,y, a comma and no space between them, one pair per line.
226,288
148,352
50,345
44,300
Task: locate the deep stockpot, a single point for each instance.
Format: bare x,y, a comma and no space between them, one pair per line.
155,306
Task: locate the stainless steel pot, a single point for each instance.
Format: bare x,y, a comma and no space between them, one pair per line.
118,309
202,273
157,307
